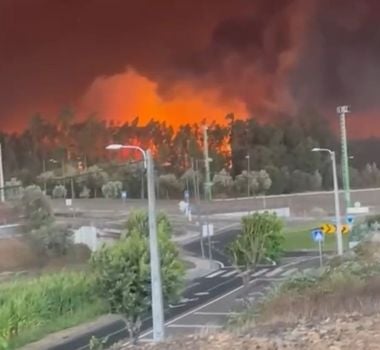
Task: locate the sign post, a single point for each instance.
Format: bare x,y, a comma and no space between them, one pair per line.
317,236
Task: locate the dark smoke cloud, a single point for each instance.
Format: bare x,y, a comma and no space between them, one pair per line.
273,55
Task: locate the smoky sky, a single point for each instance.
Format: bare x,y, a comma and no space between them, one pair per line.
275,56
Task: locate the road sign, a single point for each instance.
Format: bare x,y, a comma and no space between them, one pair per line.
350,219
186,195
207,230
328,228
317,235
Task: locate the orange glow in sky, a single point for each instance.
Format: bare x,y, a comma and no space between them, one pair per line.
122,97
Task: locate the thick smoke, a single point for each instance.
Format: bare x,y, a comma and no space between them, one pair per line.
267,55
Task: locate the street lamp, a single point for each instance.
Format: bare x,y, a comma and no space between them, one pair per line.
155,270
336,199
248,172
342,111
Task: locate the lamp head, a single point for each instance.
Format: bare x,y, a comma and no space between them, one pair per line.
114,147
316,149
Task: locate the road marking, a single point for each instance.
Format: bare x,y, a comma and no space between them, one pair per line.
194,326
206,313
193,285
201,293
217,273
259,273
274,272
290,272
200,307
228,274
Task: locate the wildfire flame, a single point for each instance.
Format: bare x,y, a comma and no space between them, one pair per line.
122,97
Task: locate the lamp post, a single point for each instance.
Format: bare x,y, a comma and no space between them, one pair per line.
339,239
248,173
208,184
342,111
155,266
2,189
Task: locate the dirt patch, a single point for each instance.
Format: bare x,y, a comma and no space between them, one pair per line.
17,255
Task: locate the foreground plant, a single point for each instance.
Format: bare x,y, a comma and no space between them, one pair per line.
123,273
261,238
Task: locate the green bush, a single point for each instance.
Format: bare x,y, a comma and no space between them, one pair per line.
59,191
28,304
112,189
123,272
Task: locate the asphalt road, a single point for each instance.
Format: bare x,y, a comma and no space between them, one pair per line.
218,290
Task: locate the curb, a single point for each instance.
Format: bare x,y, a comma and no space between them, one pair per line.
78,337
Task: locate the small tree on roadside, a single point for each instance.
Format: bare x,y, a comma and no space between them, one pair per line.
59,191
123,275
112,189
39,224
260,239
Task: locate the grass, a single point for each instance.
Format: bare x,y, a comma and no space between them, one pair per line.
33,307
87,313
346,285
299,238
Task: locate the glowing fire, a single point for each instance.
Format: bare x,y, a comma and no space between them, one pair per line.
124,96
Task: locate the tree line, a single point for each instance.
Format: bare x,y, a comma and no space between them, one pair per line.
67,157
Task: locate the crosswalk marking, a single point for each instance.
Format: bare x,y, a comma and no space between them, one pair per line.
231,273
216,273
290,272
259,273
274,272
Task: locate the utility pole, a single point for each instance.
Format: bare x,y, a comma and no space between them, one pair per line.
207,165
248,173
342,111
337,206
155,264
2,191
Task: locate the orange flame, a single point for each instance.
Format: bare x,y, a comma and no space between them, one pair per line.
124,96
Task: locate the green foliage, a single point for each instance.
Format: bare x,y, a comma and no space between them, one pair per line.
93,179
29,304
261,238
97,344
139,221
170,186
59,191
35,207
112,189
13,189
123,272
40,227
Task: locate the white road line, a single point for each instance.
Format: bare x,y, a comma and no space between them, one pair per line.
201,293
217,273
200,307
194,326
228,274
259,273
274,272
290,272
206,313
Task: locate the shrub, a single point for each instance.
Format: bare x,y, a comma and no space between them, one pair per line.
59,191
40,227
123,274
261,238
28,304
112,189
